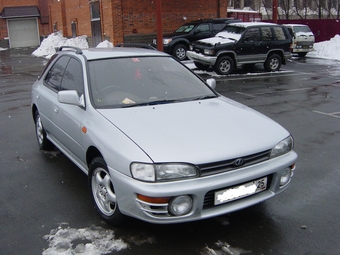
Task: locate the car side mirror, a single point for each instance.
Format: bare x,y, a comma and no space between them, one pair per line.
211,82
71,97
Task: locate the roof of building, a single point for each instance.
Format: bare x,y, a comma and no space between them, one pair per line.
19,12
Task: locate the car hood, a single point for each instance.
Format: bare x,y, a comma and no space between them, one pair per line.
222,37
197,131
306,36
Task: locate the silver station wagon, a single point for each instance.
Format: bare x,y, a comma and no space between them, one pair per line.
157,143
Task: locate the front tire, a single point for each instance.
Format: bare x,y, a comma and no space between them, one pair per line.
180,52
102,192
43,142
273,63
201,66
224,65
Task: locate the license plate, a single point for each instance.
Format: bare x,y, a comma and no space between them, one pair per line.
247,189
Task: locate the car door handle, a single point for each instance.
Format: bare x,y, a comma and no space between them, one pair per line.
56,110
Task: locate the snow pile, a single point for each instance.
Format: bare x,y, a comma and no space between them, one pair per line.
327,49
90,241
55,40
105,44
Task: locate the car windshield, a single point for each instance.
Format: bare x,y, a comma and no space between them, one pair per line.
234,29
140,81
185,29
299,29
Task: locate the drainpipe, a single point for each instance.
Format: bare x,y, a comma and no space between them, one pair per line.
159,25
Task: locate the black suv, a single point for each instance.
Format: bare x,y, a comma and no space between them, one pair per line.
178,42
245,43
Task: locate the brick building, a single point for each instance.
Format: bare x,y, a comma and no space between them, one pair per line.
115,20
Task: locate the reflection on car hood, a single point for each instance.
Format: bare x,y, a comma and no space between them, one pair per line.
197,131
222,37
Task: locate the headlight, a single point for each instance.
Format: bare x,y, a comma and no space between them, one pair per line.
209,52
167,40
282,147
162,172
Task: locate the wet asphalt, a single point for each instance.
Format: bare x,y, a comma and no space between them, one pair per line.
39,192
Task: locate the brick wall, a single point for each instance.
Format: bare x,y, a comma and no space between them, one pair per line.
122,20
132,20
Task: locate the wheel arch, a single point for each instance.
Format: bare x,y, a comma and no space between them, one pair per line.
278,52
92,153
34,110
180,41
229,54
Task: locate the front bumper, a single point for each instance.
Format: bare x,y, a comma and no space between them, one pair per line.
199,189
206,60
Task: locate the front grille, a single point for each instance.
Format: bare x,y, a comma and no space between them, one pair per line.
231,164
209,198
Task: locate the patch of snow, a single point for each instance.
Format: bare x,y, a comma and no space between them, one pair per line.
105,44
87,241
327,49
48,45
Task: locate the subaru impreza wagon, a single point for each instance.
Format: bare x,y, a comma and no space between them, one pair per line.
157,143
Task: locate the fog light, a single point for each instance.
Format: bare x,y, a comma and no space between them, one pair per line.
285,176
180,205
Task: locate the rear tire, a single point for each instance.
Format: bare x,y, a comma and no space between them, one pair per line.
224,65
273,63
103,193
43,142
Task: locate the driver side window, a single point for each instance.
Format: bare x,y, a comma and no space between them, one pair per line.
73,77
252,35
202,29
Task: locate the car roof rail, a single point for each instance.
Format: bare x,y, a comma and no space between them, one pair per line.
76,49
136,45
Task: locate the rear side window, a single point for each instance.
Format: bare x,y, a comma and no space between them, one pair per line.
55,74
266,34
279,33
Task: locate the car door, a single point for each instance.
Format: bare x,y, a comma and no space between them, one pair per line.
69,117
200,32
249,47
48,94
266,42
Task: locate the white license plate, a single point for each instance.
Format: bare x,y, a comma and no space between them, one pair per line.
247,189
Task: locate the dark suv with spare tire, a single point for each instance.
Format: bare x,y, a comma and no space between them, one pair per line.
178,42
245,43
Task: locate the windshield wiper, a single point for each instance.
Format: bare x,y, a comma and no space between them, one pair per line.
205,97
164,101
223,37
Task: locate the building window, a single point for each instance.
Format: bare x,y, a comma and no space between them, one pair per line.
95,11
